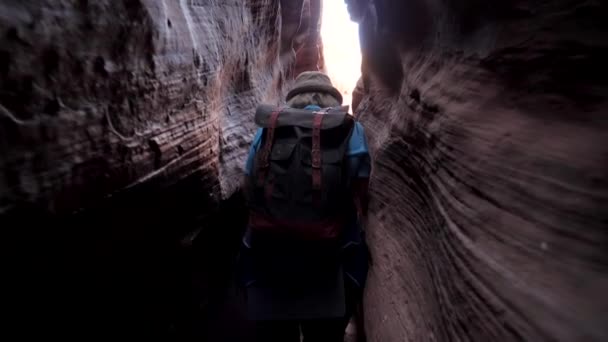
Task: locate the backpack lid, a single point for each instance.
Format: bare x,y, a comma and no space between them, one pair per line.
335,117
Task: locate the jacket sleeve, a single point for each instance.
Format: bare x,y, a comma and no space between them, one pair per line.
361,169
252,151
250,161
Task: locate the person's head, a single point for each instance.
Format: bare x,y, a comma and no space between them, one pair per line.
313,88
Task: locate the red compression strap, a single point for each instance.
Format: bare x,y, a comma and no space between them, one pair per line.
316,151
265,156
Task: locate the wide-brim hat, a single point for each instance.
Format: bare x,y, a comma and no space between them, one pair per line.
313,82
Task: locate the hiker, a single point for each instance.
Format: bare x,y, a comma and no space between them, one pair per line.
304,260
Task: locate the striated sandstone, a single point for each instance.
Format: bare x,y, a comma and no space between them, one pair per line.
101,96
489,132
122,125
308,44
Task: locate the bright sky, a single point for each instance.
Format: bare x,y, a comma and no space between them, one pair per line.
341,47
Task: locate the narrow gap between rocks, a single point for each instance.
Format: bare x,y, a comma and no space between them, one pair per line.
341,50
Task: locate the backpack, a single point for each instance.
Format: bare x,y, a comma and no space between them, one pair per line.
299,186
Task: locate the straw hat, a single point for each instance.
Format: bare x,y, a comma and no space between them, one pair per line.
312,82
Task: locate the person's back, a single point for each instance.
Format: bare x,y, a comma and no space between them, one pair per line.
304,260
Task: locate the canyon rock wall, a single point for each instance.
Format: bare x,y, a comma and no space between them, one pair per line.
488,124
99,96
308,45
122,125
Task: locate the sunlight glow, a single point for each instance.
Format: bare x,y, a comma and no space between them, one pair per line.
341,47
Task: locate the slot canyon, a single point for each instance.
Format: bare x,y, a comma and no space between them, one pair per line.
124,128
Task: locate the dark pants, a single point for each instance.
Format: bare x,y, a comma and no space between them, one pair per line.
329,330
318,330
255,266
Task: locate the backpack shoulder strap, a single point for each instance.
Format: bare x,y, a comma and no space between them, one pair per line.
316,153
265,152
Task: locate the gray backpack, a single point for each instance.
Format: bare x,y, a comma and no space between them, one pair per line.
299,186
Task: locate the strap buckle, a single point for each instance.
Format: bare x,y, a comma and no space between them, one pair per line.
316,158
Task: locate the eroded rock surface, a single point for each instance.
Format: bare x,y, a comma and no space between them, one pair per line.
489,132
137,115
308,46
100,96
